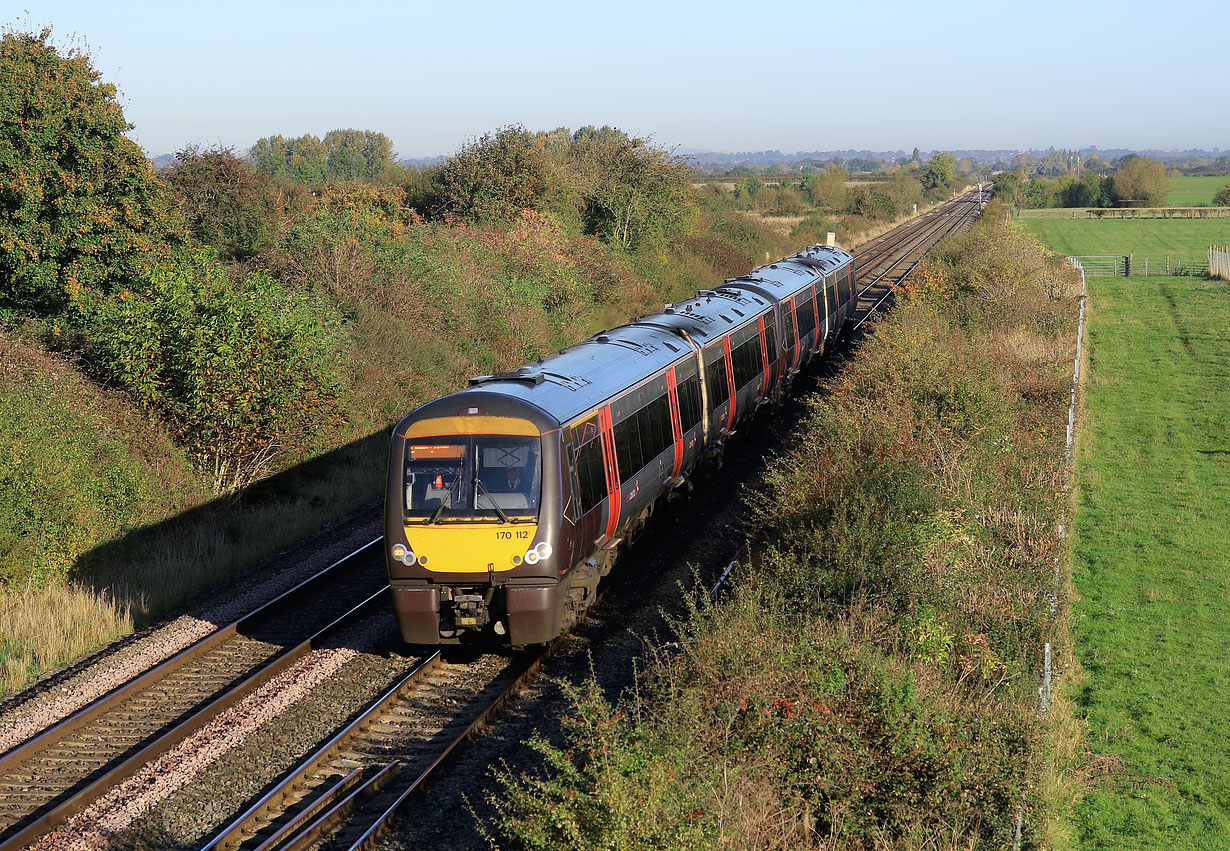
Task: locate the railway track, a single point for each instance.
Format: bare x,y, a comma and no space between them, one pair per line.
892,263
57,773
354,787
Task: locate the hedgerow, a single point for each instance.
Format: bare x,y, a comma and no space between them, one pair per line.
871,683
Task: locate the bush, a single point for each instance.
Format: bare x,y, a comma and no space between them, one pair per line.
226,202
494,177
242,373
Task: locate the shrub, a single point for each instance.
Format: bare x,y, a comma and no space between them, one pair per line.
243,373
226,202
495,176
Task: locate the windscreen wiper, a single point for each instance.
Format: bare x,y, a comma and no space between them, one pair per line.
448,498
494,504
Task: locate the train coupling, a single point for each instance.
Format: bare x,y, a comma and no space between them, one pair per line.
470,611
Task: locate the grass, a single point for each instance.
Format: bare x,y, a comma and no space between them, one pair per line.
68,622
1194,191
1151,565
1180,238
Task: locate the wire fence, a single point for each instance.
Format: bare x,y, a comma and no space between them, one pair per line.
1049,670
1129,265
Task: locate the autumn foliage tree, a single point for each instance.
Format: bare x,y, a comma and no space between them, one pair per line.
1142,180
80,206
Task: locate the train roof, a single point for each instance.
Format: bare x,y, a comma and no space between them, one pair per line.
566,385
583,376
786,277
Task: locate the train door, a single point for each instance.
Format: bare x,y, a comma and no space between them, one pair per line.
825,305
768,356
611,468
672,396
849,272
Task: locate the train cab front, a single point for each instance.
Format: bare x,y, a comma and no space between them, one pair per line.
471,522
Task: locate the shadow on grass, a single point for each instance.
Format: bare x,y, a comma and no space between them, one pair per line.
153,569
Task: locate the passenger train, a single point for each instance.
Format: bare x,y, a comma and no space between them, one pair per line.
508,501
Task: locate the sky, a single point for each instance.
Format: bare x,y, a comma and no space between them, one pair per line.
719,76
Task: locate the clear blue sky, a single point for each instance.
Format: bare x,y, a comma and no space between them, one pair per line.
717,75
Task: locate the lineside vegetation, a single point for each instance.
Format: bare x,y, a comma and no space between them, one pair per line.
872,680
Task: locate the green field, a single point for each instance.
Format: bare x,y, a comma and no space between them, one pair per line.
1151,561
1183,238
1194,191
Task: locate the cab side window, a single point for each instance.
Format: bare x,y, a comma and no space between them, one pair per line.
591,475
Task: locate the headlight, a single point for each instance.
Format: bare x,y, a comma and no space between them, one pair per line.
402,553
538,553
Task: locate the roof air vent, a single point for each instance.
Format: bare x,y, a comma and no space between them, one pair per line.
603,338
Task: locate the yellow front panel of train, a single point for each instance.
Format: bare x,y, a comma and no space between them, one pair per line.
470,547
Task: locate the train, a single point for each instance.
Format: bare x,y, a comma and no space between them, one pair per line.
510,500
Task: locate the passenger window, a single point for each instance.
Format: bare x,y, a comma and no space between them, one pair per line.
689,403
717,383
628,448
770,339
791,340
807,318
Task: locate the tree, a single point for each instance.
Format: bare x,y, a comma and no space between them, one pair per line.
1222,198
227,203
827,190
1142,180
80,206
303,160
495,176
357,154
632,192
936,176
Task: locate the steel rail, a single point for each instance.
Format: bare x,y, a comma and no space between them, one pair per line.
275,800
25,831
57,731
890,288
